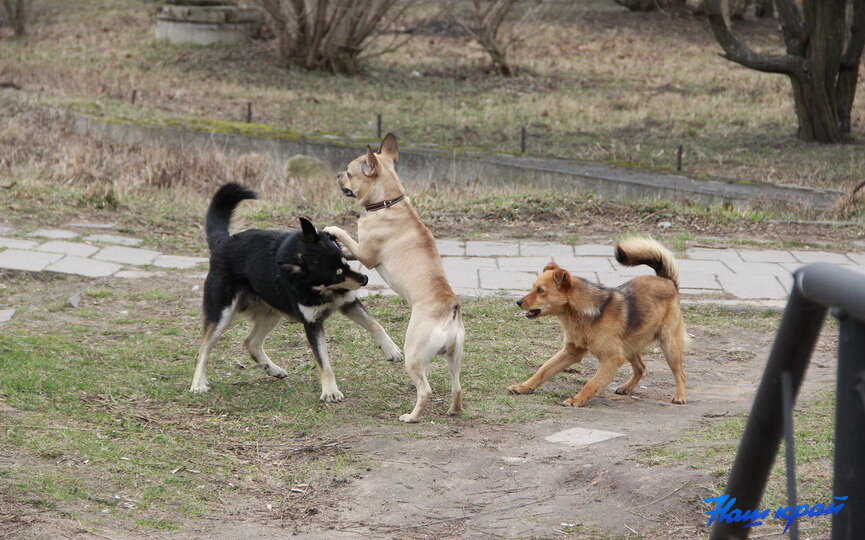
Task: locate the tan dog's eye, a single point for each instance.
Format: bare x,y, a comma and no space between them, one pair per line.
540,290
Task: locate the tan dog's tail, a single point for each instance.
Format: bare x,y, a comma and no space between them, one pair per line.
637,250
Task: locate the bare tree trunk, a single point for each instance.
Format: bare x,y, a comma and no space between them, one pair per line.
16,12
824,46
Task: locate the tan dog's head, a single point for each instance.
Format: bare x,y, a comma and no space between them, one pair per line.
550,293
372,177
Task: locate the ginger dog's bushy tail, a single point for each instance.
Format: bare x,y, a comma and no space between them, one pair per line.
637,250
219,213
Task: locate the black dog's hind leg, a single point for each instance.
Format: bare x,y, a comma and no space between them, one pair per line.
315,335
220,307
262,324
358,313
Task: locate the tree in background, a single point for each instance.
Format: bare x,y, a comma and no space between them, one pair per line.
16,12
485,24
332,35
737,7
824,44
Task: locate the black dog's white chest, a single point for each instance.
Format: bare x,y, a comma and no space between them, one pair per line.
319,312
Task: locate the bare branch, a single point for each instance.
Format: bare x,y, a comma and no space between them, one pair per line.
791,24
738,51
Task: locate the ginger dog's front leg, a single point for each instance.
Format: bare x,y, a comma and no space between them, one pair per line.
561,360
367,259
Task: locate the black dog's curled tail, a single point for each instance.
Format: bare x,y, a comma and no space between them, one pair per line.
219,213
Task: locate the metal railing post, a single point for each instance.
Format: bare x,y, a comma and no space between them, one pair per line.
849,480
794,342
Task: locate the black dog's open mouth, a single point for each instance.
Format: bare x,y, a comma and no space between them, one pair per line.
348,193
533,313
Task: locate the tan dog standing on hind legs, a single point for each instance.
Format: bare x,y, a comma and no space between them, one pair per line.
393,240
613,324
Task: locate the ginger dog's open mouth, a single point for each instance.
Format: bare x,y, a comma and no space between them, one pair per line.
531,314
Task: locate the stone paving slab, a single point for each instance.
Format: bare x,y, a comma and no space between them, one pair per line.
6,315
82,266
90,225
582,436
31,261
767,256
17,243
68,248
808,257
583,264
754,286
596,250
54,234
756,268
477,248
545,249
113,239
126,255
694,280
524,264
707,254
176,261
506,279
451,247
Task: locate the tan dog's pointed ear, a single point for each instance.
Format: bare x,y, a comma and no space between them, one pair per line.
562,278
551,266
370,166
389,147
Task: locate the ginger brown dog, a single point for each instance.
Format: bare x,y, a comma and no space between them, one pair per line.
393,240
614,324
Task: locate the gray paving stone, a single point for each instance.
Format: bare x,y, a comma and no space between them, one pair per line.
81,266
687,266
91,225
483,248
545,249
68,248
605,250
631,272
461,272
587,264
505,279
6,315
137,274
33,261
706,254
524,264
777,305
694,280
857,258
176,261
17,243
582,436
762,286
6,230
473,262
766,255
821,256
614,279
113,239
749,268
451,247
54,234
126,255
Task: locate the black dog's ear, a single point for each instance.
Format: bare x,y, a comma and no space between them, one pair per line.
309,232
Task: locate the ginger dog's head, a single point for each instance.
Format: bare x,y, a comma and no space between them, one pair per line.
372,178
550,293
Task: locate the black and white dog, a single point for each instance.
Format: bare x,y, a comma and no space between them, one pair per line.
267,275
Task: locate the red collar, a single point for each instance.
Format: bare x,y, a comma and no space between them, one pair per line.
383,204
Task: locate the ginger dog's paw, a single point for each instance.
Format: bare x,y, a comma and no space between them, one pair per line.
408,419
679,400
623,390
574,402
520,389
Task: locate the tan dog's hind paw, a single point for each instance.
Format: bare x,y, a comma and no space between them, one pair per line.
624,390
520,389
679,400
408,419
574,402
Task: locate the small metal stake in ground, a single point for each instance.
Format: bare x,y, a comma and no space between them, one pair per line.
134,95
679,158
523,140
378,125
249,112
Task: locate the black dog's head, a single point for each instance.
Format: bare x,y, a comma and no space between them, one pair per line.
316,260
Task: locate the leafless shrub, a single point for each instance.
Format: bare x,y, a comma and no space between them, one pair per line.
332,35
15,12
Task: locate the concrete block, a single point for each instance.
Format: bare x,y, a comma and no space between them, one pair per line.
766,255
16,243
545,249
582,436
113,239
483,248
524,264
597,250
83,267
587,264
54,234
693,280
461,272
507,280
748,269
449,247
857,258
176,261
809,257
32,261
707,254
752,286
126,255
6,315
68,248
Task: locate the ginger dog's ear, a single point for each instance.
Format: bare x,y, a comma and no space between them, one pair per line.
562,278
551,266
369,167
389,147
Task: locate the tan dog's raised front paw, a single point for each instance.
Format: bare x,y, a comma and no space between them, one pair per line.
520,389
333,231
